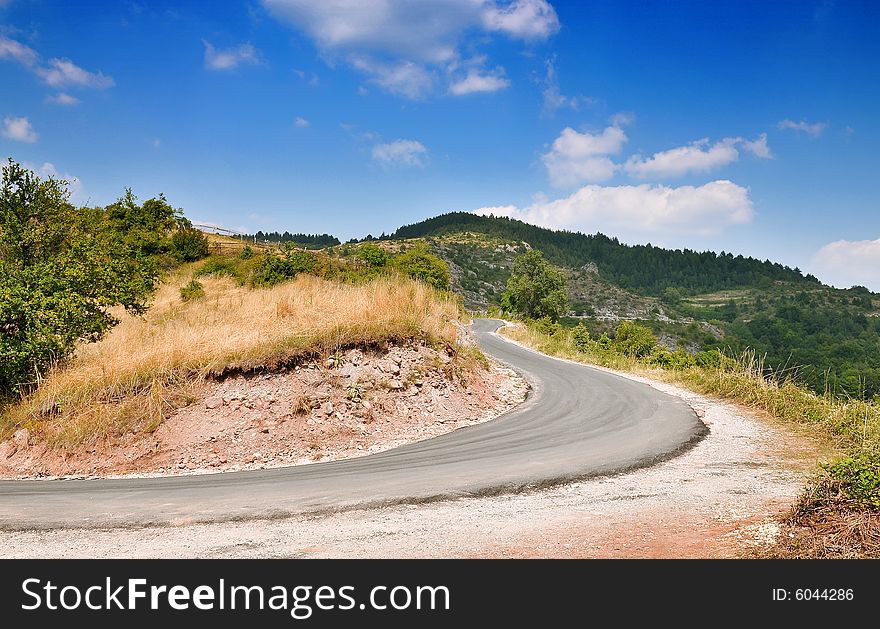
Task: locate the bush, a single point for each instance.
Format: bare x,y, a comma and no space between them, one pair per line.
857,478
580,337
708,359
545,325
423,265
274,269
61,269
189,245
193,290
217,266
247,253
373,255
634,340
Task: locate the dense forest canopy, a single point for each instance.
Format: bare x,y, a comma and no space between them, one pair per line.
316,240
643,268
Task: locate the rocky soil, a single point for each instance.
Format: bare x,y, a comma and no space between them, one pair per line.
351,404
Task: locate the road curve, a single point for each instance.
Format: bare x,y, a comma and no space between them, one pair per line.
578,422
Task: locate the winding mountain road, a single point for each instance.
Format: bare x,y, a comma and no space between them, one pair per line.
578,422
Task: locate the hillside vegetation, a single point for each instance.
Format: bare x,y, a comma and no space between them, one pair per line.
149,366
823,337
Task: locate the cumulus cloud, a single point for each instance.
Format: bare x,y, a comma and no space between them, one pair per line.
65,100
577,157
301,122
400,153
846,263
814,129
230,58
648,209
16,51
19,129
529,19
478,81
64,72
697,157
401,43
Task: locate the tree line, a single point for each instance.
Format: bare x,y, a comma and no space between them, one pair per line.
643,268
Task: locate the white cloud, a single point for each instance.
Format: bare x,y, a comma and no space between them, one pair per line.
646,209
301,122
622,119
11,49
404,78
57,72
528,19
401,42
400,153
845,263
477,81
814,129
576,157
696,157
65,100
757,147
19,129
554,99
64,72
230,58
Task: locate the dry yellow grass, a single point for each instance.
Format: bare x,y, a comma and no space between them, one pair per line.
148,366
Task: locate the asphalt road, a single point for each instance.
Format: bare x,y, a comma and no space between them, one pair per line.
578,422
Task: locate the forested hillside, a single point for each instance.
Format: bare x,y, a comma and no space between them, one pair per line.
644,268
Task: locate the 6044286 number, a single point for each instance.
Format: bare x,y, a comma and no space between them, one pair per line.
826,594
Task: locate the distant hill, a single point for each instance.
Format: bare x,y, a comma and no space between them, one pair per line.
827,338
643,268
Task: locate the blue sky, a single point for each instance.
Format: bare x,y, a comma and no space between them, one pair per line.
740,126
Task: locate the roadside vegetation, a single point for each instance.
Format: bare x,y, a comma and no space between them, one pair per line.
113,317
838,514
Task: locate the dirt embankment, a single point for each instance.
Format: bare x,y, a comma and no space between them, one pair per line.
351,404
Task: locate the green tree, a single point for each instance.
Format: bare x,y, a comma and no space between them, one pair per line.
580,336
634,339
373,255
419,263
61,268
189,244
536,288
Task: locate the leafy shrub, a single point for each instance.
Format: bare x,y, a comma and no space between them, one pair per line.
421,264
708,359
217,265
189,245
193,290
580,337
274,269
634,340
857,477
545,325
247,253
373,255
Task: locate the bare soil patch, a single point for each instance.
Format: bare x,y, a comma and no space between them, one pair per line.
351,404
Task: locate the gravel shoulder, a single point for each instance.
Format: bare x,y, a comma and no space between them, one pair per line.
718,499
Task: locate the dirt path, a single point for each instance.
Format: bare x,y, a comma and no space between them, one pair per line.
716,500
